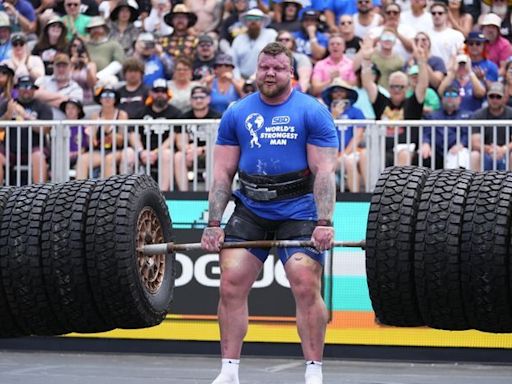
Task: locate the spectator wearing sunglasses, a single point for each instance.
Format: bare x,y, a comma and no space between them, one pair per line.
75,22
397,106
366,18
23,63
302,67
347,31
224,87
457,154
446,41
404,33
484,69
187,149
494,152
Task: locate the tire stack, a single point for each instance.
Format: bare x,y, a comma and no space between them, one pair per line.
69,260
437,249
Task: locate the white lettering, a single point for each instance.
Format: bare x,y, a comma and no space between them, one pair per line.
201,267
206,272
278,142
187,270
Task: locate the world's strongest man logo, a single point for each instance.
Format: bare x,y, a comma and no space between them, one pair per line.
253,123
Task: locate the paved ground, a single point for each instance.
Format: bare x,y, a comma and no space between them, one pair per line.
97,368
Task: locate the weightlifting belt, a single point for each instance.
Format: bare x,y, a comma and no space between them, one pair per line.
276,187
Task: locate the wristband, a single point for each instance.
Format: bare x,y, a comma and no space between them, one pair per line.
214,223
324,223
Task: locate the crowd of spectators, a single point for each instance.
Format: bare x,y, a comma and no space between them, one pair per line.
153,59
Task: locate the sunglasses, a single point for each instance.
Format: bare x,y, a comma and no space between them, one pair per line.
348,22
159,90
18,44
495,96
470,43
223,65
397,87
108,95
392,13
451,94
437,13
363,2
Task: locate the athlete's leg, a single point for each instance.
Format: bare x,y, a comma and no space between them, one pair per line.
239,270
305,274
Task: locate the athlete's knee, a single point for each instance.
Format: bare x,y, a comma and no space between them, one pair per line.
232,287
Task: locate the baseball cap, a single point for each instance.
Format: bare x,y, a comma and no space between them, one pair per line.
26,82
224,59
476,36
18,37
496,88
413,70
159,84
205,39
199,89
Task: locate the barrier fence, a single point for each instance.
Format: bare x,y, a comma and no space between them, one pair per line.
178,154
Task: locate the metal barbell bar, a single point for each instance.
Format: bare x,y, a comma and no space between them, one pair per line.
158,249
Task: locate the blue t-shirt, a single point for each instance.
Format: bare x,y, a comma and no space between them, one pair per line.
303,44
352,113
451,132
488,67
273,141
153,70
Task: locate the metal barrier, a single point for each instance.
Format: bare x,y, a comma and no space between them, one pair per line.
182,156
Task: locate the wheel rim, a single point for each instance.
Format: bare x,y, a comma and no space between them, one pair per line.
151,268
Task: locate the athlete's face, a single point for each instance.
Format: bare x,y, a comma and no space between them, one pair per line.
274,74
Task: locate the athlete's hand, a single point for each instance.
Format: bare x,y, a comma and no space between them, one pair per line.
323,238
212,239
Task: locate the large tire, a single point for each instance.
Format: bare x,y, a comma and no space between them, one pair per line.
485,260
8,325
63,257
390,245
438,246
20,261
131,291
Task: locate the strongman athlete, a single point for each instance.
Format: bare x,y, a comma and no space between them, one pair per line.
283,144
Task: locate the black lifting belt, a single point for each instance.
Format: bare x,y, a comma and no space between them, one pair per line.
276,187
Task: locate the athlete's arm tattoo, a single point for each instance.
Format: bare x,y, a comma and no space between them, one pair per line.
218,199
322,161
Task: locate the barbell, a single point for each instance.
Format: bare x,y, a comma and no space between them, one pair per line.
94,255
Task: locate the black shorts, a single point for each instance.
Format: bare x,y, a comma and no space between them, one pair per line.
244,225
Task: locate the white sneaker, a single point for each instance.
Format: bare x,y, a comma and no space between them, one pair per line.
314,379
225,379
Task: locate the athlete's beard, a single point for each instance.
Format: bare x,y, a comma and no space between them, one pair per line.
275,90
364,11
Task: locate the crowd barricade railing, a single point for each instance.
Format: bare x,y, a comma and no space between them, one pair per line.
34,151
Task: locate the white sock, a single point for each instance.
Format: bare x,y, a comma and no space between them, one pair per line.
229,372
313,372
